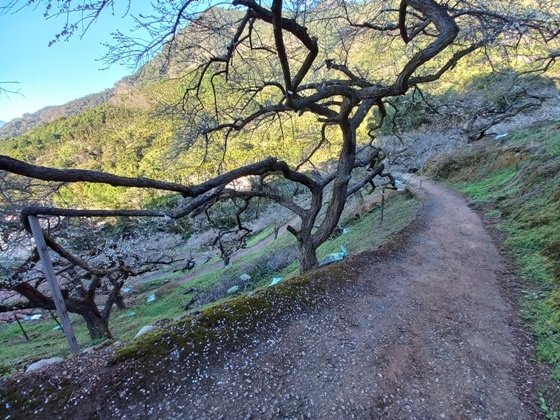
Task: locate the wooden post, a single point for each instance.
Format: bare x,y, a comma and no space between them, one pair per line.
48,269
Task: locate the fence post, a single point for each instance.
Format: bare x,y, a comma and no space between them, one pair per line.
48,269
382,203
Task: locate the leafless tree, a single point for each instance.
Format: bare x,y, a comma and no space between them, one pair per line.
484,103
513,100
84,275
89,265
280,60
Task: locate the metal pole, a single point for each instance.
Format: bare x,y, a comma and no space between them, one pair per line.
53,283
53,316
382,203
21,327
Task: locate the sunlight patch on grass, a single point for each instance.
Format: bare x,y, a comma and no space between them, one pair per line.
492,187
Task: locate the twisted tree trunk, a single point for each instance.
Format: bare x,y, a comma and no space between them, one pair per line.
96,325
309,241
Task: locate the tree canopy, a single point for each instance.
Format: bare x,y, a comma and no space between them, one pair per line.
246,69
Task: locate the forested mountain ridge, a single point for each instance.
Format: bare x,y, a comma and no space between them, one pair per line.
155,70
23,124
147,126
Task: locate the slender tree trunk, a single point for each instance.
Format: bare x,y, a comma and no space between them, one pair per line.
308,242
119,301
114,298
340,187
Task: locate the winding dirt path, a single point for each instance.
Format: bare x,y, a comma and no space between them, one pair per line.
425,333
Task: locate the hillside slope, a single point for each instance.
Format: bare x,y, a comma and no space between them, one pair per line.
414,330
27,122
516,183
151,126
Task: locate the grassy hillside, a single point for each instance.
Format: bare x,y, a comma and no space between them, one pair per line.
516,182
146,126
206,288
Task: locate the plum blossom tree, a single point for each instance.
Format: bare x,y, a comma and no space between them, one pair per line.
85,271
247,64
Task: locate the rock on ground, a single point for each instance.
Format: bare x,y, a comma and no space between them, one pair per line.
44,362
144,330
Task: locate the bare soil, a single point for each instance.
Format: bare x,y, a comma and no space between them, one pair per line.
424,331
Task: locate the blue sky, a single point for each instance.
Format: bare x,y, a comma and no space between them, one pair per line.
57,74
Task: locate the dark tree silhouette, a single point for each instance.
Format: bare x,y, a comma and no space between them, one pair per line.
286,59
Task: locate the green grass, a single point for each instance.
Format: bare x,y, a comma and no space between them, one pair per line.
491,188
368,232
172,295
493,213
524,199
161,279
527,245
44,341
253,240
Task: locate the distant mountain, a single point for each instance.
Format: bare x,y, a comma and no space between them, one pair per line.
45,115
128,92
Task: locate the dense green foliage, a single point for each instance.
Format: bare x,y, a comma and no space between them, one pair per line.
48,114
120,140
131,141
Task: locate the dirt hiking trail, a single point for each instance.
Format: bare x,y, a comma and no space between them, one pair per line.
420,329
422,333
